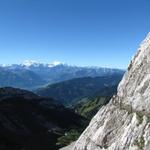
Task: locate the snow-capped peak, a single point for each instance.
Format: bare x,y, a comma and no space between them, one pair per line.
4,65
29,63
55,63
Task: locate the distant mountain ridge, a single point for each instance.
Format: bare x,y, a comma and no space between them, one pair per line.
32,74
19,78
73,90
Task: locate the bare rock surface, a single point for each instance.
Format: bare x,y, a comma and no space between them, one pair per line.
124,124
69,147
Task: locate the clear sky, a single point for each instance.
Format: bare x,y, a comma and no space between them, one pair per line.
78,32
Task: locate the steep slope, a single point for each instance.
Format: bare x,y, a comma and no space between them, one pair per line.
124,124
30,122
71,91
89,106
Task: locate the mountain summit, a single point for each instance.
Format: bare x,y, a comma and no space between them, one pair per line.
30,63
124,124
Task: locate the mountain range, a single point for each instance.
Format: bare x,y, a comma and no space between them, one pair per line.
31,74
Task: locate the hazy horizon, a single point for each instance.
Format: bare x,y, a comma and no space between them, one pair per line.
55,63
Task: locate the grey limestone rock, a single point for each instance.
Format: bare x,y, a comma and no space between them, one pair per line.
124,124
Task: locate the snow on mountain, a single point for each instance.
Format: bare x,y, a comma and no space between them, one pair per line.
32,63
50,72
55,63
29,63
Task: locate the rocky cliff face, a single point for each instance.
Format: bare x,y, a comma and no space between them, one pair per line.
124,124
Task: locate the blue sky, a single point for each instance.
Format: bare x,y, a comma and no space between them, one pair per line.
79,32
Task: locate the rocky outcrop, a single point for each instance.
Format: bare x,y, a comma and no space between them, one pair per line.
124,124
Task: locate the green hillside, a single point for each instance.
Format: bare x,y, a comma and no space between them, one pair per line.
72,91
